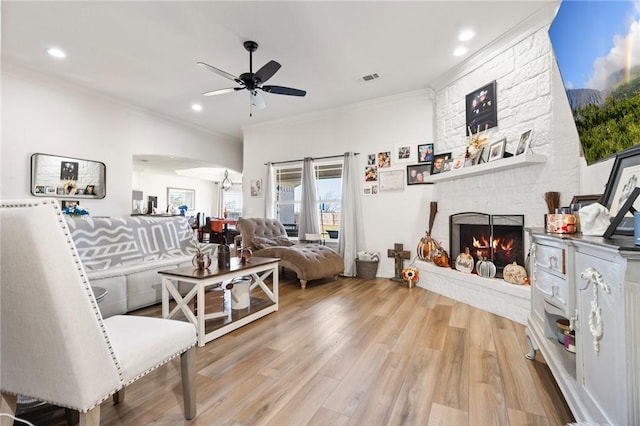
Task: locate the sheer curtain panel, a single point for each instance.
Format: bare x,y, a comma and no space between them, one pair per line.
270,193
309,210
351,228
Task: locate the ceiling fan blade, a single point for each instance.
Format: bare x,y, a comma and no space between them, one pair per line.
222,91
267,71
220,72
280,90
257,100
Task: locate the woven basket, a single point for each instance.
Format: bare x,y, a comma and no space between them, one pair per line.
366,269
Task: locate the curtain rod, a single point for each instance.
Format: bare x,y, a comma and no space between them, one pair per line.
316,158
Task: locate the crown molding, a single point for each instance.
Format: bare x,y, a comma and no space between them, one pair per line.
330,112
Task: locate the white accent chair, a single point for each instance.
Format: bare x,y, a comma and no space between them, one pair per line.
54,344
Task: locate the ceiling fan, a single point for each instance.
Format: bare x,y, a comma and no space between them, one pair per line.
253,81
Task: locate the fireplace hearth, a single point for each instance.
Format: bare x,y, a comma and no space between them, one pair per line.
499,238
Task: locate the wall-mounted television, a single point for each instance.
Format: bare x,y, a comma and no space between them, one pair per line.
597,48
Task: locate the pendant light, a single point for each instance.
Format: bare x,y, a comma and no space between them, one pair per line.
226,183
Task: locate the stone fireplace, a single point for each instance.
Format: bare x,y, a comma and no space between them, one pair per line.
499,238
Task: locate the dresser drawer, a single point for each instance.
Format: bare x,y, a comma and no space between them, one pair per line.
552,288
551,258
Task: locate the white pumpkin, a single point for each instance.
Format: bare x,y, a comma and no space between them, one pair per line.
464,262
515,274
485,268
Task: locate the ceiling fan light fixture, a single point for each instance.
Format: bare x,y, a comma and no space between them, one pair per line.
226,182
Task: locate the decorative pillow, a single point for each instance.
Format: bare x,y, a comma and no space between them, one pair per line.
260,243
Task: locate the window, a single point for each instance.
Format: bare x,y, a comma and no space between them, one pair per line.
232,202
328,190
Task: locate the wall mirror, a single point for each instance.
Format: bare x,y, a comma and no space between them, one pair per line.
53,176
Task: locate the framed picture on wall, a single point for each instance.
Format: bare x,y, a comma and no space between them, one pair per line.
391,180
425,153
417,173
177,197
404,153
481,109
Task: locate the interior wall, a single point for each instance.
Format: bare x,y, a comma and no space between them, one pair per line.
389,217
156,184
42,115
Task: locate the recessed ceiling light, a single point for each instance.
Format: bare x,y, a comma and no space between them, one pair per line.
196,107
460,51
466,35
56,52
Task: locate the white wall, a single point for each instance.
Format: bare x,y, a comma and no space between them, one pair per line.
156,184
392,217
41,115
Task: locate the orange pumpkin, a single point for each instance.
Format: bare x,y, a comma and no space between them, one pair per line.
427,248
441,258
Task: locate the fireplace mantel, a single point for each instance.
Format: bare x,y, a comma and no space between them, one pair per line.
494,295
522,160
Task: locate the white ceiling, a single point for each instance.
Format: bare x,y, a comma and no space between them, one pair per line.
145,52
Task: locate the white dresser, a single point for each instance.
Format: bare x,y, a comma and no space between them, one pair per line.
594,283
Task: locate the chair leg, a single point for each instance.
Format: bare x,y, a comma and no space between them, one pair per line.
8,404
118,397
91,417
188,368
71,416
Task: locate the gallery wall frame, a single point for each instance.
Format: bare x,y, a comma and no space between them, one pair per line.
416,173
391,180
425,153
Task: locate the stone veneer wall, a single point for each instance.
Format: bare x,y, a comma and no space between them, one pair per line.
530,95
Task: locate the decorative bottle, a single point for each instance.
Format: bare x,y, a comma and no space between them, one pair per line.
224,255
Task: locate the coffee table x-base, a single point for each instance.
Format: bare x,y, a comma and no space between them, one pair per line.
259,268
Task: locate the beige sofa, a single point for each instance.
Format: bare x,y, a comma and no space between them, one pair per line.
268,238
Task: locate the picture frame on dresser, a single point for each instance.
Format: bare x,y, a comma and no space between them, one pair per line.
624,178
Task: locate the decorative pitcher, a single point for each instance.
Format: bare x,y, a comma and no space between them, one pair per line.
201,260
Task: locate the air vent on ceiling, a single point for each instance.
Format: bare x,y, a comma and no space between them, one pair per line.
369,77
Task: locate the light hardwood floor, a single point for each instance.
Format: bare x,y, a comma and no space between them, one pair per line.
355,352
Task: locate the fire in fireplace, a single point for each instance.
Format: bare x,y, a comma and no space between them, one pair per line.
499,238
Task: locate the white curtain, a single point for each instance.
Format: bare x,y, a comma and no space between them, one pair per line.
270,193
309,210
351,233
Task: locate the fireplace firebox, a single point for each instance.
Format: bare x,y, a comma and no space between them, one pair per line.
499,238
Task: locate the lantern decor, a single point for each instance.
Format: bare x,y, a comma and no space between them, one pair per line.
411,275
427,247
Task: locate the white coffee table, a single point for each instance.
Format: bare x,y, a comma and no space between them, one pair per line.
259,268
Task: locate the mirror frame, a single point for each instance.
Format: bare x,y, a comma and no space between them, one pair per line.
47,188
